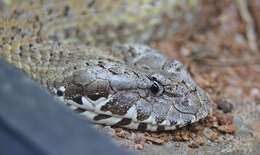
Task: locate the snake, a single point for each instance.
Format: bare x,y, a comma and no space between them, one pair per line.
78,57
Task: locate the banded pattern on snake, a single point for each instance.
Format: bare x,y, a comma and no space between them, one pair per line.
127,85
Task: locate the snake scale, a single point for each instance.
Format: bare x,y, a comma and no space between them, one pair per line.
67,47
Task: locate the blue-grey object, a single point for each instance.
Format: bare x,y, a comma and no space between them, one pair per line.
32,122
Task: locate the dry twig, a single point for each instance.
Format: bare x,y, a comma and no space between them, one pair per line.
250,27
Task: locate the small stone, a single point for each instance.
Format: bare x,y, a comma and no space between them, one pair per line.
193,145
198,141
154,140
121,133
107,129
242,128
225,106
230,129
181,136
139,138
211,122
255,92
185,51
210,134
139,146
224,120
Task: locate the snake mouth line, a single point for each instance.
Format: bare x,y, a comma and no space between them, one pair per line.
91,110
128,123
121,121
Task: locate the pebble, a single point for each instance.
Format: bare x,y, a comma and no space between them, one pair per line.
225,106
255,92
139,146
242,127
230,129
210,134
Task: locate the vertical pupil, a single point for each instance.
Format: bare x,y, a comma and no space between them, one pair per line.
154,88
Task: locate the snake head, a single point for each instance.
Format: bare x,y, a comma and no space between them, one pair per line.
109,92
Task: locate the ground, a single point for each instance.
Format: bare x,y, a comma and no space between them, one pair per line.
218,55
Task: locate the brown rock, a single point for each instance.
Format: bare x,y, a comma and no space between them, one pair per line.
224,120
139,146
154,140
225,106
230,129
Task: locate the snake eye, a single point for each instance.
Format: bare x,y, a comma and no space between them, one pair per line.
156,88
